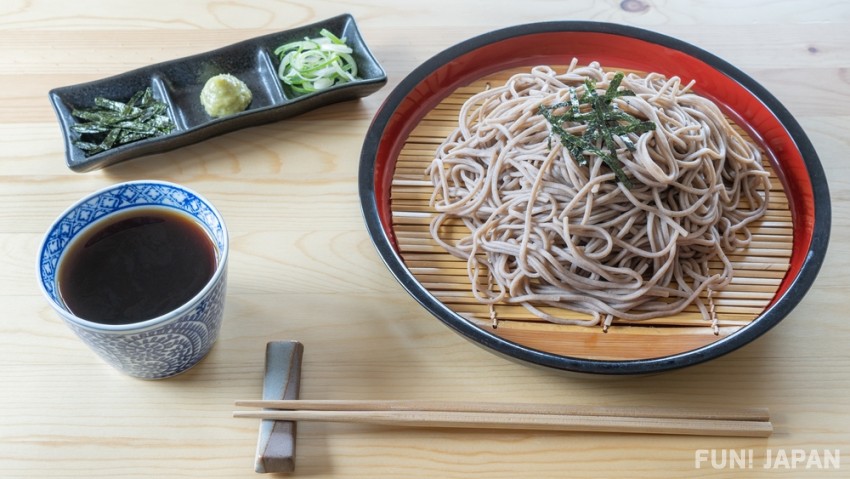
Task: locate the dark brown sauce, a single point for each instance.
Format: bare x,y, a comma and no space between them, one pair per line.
135,266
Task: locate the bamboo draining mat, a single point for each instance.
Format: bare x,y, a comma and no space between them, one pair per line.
759,269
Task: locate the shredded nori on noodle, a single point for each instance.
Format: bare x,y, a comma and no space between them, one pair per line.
604,121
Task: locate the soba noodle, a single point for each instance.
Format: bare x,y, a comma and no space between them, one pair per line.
543,230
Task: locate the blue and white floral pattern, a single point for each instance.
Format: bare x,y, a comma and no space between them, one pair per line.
151,350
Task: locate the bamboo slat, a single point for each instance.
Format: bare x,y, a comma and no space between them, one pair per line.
759,269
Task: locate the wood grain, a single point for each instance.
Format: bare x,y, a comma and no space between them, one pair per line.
303,267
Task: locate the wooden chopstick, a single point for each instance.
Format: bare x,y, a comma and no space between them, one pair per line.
753,422
736,414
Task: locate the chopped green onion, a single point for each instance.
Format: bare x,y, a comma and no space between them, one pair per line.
315,64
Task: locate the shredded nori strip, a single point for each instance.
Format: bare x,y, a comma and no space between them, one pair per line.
111,123
604,120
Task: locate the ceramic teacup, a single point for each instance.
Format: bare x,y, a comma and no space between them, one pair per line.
152,348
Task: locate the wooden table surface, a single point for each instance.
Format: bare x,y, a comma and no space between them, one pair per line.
303,267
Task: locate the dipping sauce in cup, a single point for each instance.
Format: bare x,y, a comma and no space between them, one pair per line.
138,271
136,265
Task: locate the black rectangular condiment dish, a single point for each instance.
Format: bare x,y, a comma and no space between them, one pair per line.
178,84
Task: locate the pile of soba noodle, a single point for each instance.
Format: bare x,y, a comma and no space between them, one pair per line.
545,231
